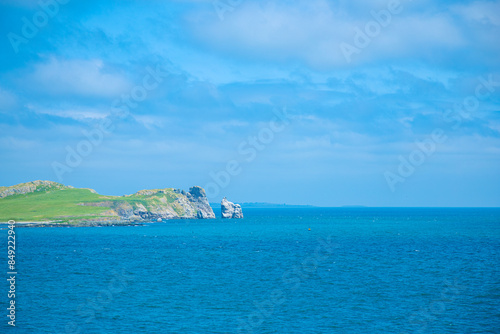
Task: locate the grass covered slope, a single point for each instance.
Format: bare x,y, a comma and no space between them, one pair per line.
44,201
49,205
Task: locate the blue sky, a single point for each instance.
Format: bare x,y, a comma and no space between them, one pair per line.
300,102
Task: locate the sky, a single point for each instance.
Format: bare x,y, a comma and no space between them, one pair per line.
327,103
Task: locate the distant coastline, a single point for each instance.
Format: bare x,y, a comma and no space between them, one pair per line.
265,205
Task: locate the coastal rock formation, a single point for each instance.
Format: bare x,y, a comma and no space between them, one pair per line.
160,204
143,206
230,210
199,199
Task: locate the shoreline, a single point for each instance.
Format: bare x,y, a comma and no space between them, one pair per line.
27,224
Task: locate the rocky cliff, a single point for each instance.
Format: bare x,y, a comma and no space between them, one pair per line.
230,210
197,196
159,204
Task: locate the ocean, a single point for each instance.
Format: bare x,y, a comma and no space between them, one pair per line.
310,270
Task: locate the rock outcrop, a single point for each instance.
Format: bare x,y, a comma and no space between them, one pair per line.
160,204
199,199
31,187
230,210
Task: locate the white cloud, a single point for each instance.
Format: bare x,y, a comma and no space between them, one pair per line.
417,35
77,113
481,11
272,30
79,77
312,32
151,122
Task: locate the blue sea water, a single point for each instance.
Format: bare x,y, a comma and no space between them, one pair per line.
314,270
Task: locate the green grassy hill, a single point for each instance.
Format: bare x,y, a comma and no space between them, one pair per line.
44,201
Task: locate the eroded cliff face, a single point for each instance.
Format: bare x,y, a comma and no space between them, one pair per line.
199,199
230,210
160,204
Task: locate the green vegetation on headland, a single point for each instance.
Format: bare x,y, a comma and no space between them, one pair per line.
47,201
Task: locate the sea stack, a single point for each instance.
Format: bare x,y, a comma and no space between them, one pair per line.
230,210
197,196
